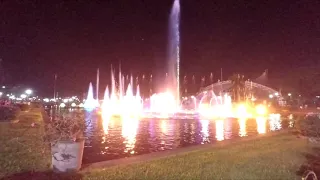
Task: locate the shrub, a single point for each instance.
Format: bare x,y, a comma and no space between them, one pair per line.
309,126
65,127
8,113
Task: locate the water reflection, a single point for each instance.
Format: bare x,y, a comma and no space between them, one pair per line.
205,131
242,127
227,125
111,138
105,123
129,132
163,133
163,127
261,125
219,130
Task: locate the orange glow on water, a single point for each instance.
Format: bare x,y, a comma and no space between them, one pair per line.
220,130
205,130
261,125
242,127
129,132
164,127
105,124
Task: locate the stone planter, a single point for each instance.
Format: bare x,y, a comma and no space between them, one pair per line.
67,156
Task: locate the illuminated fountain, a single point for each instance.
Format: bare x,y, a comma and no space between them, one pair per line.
122,102
212,106
174,52
118,103
90,102
163,103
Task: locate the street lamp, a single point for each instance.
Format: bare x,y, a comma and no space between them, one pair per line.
289,94
28,91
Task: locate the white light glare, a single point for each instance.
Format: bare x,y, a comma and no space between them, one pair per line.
28,91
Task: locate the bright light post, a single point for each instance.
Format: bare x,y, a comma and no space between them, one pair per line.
28,91
23,96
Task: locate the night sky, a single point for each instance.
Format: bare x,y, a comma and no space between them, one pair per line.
73,38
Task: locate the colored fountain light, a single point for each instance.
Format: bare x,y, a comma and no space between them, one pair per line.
164,104
90,102
261,110
212,106
124,101
119,102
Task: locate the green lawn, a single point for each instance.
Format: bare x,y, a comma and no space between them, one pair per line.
277,157
22,148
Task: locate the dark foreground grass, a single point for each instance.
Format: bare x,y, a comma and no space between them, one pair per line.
276,157
22,148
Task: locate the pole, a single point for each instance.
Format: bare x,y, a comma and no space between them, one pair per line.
54,86
97,86
221,82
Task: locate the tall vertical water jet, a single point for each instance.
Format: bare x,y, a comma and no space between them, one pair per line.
120,85
174,51
106,94
90,102
97,85
106,98
113,86
138,92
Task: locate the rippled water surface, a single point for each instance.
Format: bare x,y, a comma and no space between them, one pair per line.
114,138
117,138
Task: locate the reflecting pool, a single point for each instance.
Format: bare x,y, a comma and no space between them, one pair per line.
112,138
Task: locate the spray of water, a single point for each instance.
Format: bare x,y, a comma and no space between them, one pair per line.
174,51
90,103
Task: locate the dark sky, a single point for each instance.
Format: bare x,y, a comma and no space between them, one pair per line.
73,38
